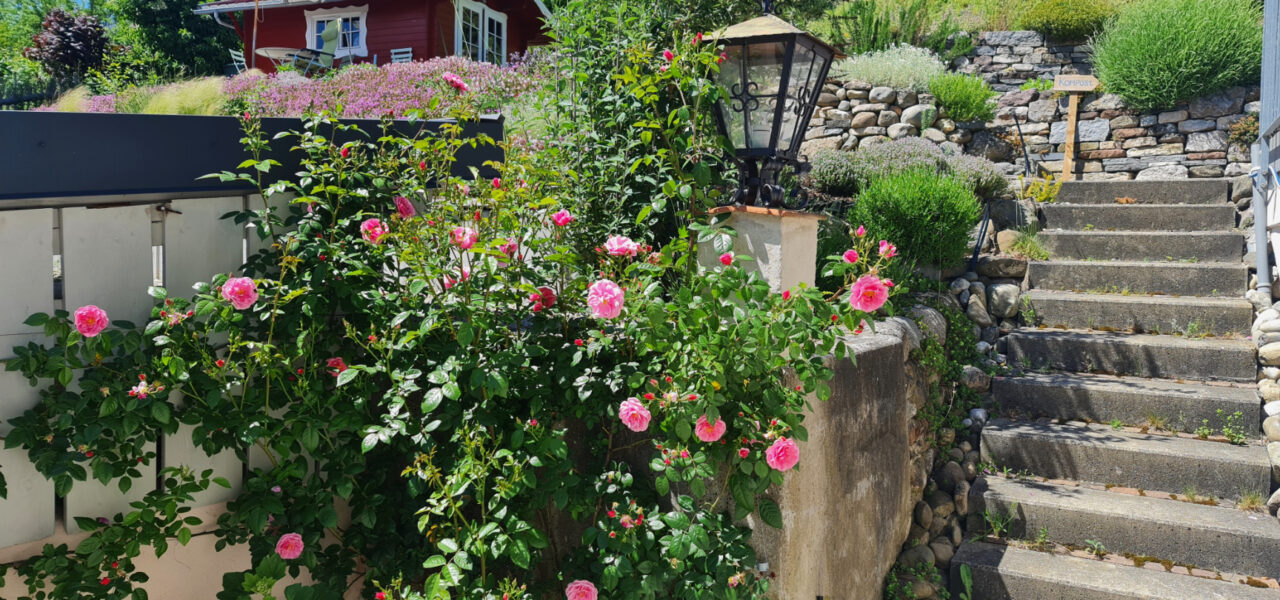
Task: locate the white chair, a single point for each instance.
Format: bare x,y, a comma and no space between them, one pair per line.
402,55
237,59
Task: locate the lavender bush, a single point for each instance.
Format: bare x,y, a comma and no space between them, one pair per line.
845,173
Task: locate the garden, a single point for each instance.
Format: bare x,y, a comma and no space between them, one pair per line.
535,384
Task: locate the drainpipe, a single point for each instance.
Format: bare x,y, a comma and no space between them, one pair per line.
1261,239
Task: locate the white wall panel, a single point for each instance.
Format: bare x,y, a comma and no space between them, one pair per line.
27,514
93,499
107,260
198,245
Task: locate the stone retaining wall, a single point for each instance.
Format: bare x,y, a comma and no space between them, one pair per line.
1113,141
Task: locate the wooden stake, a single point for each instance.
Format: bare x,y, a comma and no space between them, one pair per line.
1069,154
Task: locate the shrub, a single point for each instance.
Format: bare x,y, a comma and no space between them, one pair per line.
68,45
1066,19
845,173
1158,53
1244,133
928,215
1041,84
965,97
903,67
860,26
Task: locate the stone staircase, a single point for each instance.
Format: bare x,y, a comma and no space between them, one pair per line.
1141,332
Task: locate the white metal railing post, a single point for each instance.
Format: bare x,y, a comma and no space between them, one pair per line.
1261,244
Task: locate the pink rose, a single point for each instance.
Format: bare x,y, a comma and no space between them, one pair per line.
605,299
336,365
562,218
543,299
455,81
862,230
405,208
888,250
709,432
241,292
620,245
290,546
726,259
463,237
668,56
851,256
509,247
869,294
373,231
497,183
634,415
91,320
580,590
782,455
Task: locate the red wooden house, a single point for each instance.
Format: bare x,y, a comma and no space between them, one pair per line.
486,30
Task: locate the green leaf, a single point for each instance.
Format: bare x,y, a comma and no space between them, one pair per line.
435,562
662,485
157,292
346,376
448,545
770,513
519,553
452,391
184,536
683,429
36,320
369,442
222,481
160,412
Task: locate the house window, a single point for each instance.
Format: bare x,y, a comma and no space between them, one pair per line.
480,33
353,33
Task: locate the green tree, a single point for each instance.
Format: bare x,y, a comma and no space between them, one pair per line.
168,28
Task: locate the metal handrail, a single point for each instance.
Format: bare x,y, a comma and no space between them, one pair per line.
1262,247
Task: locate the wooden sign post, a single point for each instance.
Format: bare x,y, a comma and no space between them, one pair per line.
1076,86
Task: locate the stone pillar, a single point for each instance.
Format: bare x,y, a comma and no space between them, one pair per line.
784,243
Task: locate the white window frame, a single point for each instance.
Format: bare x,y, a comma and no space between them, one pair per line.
346,12
486,15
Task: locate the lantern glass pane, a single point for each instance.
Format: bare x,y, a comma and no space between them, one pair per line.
802,69
764,63
733,107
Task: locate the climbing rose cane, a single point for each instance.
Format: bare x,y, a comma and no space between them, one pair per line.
869,294
605,299
580,590
782,455
241,292
709,432
290,546
91,320
634,415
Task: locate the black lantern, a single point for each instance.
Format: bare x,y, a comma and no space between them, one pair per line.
773,73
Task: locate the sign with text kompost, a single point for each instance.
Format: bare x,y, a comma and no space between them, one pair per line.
1075,86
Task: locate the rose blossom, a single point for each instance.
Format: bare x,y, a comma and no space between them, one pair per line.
620,245
726,259
668,55
634,415
241,292
290,546
404,208
509,247
455,81
463,237
869,294
91,320
888,250
336,365
373,231
851,256
544,298
782,455
562,218
605,299
580,590
862,230
709,432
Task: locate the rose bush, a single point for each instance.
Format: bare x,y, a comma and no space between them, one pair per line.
441,394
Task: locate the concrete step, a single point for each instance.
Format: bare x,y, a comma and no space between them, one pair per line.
1225,246
1179,406
1139,217
1185,279
1009,573
1099,454
1191,191
1204,537
1188,315
1161,356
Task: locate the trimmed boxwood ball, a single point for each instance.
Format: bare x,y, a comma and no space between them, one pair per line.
1067,20
929,216
1158,53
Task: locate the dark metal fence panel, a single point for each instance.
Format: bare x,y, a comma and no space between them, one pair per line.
52,154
